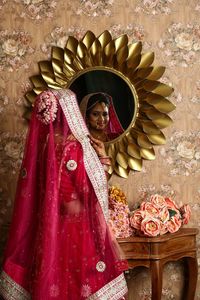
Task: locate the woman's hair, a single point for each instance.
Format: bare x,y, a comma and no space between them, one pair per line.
97,98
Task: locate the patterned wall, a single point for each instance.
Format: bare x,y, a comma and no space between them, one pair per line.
170,28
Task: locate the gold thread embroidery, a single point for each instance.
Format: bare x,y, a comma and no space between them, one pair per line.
10,290
114,290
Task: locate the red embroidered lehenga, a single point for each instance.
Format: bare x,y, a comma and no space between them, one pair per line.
60,246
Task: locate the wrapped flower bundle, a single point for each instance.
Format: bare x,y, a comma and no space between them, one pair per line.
47,107
158,216
119,213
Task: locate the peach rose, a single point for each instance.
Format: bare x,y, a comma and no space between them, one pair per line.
164,215
185,213
150,226
174,224
136,219
171,204
150,208
163,228
158,200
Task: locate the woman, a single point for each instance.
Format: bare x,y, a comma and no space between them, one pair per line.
60,246
103,124
100,116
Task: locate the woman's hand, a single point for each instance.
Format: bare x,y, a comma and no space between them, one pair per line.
98,146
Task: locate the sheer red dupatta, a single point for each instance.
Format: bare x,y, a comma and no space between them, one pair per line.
60,246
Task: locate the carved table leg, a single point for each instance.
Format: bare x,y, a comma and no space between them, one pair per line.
191,274
156,279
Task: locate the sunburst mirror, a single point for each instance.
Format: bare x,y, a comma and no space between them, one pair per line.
121,69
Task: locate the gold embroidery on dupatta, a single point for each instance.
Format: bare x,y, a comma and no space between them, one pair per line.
10,290
114,290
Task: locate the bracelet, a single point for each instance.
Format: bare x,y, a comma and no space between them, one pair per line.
106,168
104,157
105,160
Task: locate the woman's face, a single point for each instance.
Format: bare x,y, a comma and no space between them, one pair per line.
98,117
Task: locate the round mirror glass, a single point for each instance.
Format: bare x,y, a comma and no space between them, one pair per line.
106,81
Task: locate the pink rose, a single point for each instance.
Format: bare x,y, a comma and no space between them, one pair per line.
136,219
150,226
158,200
185,213
150,208
174,224
171,204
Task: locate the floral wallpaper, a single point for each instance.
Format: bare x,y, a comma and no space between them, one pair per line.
181,44
169,28
92,8
15,46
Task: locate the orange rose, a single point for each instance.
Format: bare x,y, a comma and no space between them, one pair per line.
174,224
185,213
150,226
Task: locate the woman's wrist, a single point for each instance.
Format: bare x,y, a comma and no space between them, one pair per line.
105,160
104,156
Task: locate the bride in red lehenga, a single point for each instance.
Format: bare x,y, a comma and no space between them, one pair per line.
60,246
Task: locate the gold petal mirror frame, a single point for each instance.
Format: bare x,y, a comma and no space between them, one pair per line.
125,60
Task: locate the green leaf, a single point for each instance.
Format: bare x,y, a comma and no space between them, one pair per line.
172,213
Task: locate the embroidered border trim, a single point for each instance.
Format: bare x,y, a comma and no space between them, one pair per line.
113,290
10,290
68,102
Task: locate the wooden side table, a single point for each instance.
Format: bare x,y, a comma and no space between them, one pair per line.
155,252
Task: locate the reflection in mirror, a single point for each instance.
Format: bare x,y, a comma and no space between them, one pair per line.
107,82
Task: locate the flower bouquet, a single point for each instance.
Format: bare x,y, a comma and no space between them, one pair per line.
119,213
158,216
